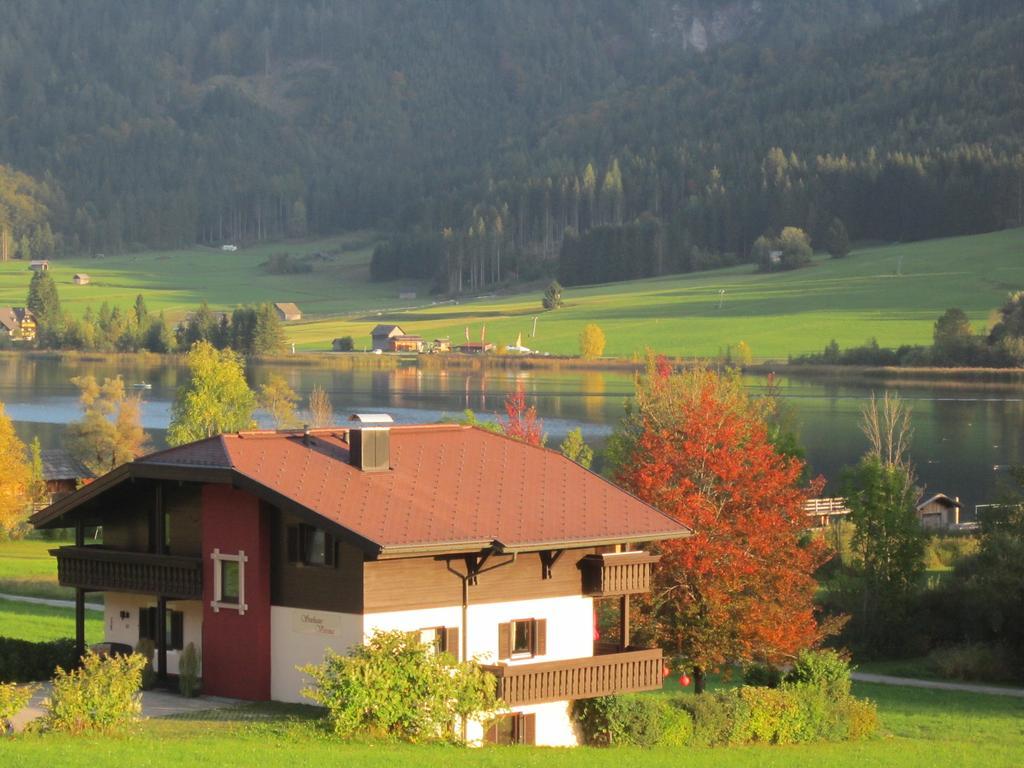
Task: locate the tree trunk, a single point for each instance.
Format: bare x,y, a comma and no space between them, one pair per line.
698,680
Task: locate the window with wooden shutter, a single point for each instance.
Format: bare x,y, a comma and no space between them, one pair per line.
451,641
527,730
540,637
176,627
505,640
147,624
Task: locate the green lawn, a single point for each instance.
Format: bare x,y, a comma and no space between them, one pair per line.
27,621
777,315
921,729
28,568
848,300
177,281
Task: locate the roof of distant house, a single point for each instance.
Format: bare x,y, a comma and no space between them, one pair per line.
450,488
940,498
288,308
386,330
58,464
12,317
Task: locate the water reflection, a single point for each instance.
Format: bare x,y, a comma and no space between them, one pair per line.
961,433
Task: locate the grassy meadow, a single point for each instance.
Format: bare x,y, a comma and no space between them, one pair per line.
27,568
920,729
893,293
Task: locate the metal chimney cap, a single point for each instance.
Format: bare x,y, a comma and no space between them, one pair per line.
372,418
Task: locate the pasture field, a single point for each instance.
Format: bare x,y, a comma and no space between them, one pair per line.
27,568
28,621
788,313
177,281
920,729
893,293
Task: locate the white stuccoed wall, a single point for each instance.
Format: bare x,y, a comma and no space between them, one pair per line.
118,630
299,636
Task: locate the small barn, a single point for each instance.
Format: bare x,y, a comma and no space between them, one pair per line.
381,336
939,511
287,311
62,472
80,278
39,265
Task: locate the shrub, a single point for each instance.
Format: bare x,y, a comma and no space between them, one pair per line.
188,671
827,670
344,344
860,717
719,718
22,661
13,699
972,661
102,695
396,687
764,675
146,648
631,720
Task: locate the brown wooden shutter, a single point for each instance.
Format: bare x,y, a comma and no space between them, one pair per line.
504,640
177,630
451,641
294,555
540,637
528,730
491,734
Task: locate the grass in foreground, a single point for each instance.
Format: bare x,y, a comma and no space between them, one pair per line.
27,621
28,568
848,299
922,729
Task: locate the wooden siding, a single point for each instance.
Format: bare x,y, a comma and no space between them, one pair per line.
406,584
578,678
99,568
620,573
336,588
183,506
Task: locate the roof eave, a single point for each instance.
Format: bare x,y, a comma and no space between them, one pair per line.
602,541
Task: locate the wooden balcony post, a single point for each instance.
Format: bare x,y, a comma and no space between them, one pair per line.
624,621
161,637
80,622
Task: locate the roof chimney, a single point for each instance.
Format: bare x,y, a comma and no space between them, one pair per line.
369,442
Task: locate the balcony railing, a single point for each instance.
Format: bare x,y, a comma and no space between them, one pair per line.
100,569
617,573
585,678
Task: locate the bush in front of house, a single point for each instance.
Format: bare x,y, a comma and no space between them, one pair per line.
102,695
22,661
188,671
13,699
146,648
633,720
395,687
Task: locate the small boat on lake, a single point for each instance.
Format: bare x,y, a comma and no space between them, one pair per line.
141,385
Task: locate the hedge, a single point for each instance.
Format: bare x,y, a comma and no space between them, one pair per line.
22,661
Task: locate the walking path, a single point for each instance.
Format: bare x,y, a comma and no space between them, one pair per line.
910,682
49,601
154,704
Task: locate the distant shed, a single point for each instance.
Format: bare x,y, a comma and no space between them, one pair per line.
39,265
287,311
81,278
939,511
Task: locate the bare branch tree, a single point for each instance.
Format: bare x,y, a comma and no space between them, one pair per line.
321,412
886,425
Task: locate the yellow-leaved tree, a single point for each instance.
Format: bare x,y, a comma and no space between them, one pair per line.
14,481
591,341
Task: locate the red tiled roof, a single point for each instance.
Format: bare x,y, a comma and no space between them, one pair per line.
448,485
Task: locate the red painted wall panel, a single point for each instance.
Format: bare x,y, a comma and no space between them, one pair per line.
236,648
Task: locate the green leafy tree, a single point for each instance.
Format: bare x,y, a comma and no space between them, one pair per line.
575,449
952,338
110,431
217,399
279,400
837,241
552,296
44,302
795,246
268,336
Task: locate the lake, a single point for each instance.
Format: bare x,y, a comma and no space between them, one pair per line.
964,436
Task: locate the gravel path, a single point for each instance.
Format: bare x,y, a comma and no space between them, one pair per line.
910,682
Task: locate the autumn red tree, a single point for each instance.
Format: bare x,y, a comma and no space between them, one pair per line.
521,422
741,589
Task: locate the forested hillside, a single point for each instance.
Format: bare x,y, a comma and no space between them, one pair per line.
486,131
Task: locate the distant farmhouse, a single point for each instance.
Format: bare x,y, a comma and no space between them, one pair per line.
62,473
18,323
39,265
80,278
287,311
939,511
381,336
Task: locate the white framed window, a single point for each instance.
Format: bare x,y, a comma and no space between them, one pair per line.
229,581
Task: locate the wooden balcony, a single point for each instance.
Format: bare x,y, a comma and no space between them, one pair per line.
585,678
96,568
617,573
